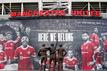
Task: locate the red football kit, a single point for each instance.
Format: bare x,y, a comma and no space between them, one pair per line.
87,51
95,39
2,58
9,47
24,55
98,57
70,62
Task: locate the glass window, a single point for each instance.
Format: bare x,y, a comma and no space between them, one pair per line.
79,6
56,6
94,6
7,8
30,6
16,7
104,7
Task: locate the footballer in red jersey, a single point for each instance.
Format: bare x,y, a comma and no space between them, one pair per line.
10,45
96,41
87,53
24,54
95,38
3,57
70,61
98,58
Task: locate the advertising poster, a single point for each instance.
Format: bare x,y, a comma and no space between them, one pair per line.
53,39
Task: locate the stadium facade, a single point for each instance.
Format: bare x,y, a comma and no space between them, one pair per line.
65,31
7,6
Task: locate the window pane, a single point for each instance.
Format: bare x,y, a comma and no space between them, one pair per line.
6,8
94,6
80,6
16,7
104,7
30,6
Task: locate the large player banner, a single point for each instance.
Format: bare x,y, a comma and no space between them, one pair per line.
65,32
